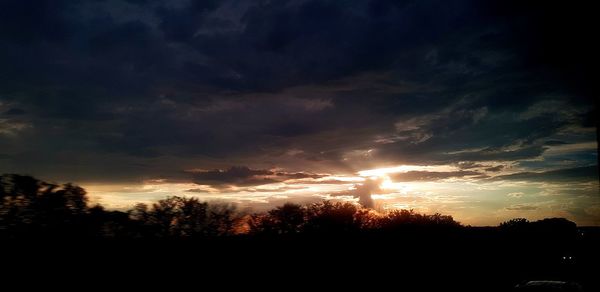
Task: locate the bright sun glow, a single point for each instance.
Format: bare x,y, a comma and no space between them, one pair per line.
380,172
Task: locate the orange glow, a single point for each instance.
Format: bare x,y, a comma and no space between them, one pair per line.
380,172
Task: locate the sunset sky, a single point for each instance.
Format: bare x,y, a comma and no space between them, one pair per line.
483,110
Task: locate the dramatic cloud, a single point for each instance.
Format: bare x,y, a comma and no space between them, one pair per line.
363,192
233,176
244,176
586,173
122,92
432,175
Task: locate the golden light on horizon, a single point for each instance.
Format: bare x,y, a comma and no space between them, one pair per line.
380,172
383,175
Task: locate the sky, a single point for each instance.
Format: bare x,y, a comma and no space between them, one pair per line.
483,110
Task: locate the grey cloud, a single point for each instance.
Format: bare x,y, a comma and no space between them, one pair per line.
244,176
196,191
431,175
555,143
469,165
235,175
278,189
495,168
585,173
521,207
298,175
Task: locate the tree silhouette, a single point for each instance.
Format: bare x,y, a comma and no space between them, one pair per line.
560,227
286,219
404,219
330,218
222,219
31,207
185,217
516,223
111,224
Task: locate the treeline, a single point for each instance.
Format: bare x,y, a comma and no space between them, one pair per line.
46,225
33,208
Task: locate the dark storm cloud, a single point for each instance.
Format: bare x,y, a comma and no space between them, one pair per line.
458,136
244,176
295,84
14,112
555,143
577,174
234,175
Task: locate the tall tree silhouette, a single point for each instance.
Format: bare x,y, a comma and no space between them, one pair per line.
31,207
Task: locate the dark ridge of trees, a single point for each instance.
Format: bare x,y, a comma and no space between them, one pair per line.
335,217
326,236
544,225
33,208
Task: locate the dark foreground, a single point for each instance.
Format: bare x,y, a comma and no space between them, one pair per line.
51,237
470,259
